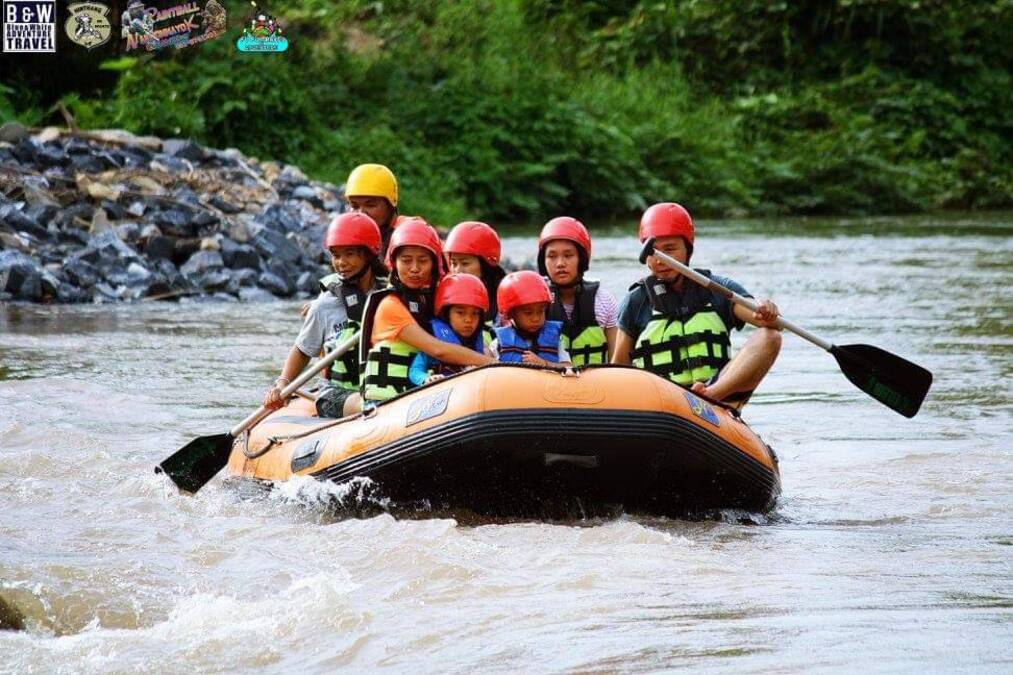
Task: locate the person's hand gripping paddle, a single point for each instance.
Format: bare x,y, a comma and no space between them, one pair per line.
198,461
895,382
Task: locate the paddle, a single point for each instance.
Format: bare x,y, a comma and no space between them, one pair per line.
198,461
895,382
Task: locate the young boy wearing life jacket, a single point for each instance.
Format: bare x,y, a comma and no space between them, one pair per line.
397,320
353,240
523,299
461,302
474,248
679,330
589,313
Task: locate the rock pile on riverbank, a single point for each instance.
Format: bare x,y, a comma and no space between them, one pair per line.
107,216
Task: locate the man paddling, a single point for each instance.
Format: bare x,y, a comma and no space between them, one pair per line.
679,330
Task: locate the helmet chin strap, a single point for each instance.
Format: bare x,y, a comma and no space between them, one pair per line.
354,278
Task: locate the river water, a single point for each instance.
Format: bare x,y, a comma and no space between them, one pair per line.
889,551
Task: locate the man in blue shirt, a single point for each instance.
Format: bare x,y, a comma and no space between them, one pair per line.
679,330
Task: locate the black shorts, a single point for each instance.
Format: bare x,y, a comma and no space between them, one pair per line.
331,401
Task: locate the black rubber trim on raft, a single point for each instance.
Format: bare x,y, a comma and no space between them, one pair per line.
682,440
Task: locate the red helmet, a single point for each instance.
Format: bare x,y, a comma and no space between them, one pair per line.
353,229
416,232
461,289
569,229
667,219
521,288
476,239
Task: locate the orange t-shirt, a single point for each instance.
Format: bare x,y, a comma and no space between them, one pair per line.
390,318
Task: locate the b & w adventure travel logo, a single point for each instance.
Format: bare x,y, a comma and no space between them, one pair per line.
29,26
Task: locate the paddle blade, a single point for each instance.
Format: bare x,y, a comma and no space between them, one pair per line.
895,382
197,462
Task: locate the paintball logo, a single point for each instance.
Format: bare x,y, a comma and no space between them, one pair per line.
88,24
178,26
29,26
263,34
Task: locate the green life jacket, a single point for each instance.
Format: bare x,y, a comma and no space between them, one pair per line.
686,340
582,337
387,362
345,372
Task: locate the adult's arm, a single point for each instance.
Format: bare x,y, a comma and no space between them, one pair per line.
765,315
294,364
414,335
624,345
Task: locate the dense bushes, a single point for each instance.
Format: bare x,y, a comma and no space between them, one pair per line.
517,110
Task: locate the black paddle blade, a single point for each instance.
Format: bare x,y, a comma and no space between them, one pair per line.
647,250
197,462
895,382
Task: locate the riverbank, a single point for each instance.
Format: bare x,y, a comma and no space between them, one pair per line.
107,216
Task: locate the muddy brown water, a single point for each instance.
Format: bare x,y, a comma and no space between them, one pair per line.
889,551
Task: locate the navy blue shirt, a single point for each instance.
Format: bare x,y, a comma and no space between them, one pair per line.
635,310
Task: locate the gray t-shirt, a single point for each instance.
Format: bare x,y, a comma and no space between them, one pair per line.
325,316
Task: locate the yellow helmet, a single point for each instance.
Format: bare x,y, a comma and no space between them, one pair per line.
372,180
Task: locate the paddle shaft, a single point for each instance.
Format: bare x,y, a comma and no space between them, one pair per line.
738,299
262,412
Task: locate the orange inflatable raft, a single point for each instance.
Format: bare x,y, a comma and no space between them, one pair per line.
509,440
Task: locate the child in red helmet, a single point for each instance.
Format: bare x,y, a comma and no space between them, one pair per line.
589,313
528,338
474,248
680,330
397,321
461,302
353,240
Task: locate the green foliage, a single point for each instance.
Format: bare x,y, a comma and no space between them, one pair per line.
514,110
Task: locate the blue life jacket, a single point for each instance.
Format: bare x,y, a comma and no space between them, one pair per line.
546,344
444,333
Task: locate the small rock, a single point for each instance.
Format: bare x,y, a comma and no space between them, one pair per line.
66,218
200,262
128,232
20,276
80,272
87,163
276,247
223,206
173,221
19,221
99,222
275,284
243,278
239,256
308,282
160,247
216,279
70,293
15,241
114,210
136,209
280,219
184,149
210,244
150,231
254,294
25,151
52,155
138,273
13,132
240,231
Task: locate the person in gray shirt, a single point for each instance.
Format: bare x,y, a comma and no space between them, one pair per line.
353,240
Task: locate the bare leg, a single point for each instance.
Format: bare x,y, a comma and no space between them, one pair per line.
747,369
353,404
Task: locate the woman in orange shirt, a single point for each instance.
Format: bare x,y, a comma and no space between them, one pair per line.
397,319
